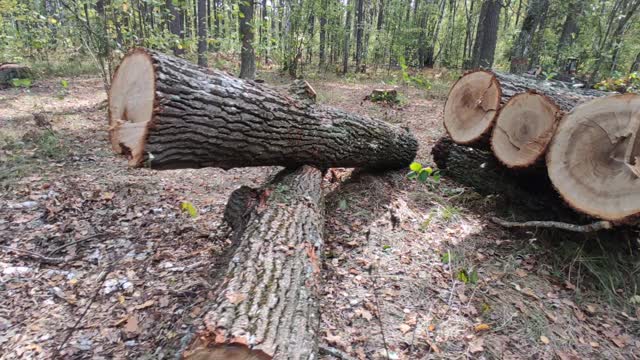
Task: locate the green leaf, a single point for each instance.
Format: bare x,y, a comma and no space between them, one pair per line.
428,170
423,176
445,258
64,83
473,277
386,247
463,276
415,166
189,208
342,204
412,175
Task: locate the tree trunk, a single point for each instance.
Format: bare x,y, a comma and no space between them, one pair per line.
176,26
186,116
323,35
570,30
267,306
487,35
520,196
247,55
635,67
523,47
202,33
347,27
359,33
594,158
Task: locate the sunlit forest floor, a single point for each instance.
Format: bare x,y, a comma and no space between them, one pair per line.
98,261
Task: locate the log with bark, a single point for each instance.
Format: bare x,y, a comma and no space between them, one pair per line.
517,115
165,112
11,71
594,158
267,304
520,196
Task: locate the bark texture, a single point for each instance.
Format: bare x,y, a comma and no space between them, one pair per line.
205,118
267,306
520,196
487,35
247,54
523,49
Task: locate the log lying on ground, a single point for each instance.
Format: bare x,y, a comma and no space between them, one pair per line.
267,305
594,158
165,112
481,98
521,196
13,71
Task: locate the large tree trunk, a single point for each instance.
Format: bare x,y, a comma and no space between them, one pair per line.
247,55
168,113
267,305
484,47
569,29
522,196
176,25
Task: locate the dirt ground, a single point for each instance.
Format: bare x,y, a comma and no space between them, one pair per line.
98,261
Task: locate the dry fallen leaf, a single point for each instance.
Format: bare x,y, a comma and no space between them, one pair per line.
365,314
405,328
521,273
482,327
476,346
131,327
545,340
594,344
145,305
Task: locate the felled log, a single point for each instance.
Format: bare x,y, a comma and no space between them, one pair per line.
594,158
383,95
520,196
525,113
165,112
13,71
267,305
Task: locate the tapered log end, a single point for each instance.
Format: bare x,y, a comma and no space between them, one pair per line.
226,352
523,129
131,105
594,158
472,106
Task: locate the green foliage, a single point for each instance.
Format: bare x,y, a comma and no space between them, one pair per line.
189,208
624,84
21,83
423,174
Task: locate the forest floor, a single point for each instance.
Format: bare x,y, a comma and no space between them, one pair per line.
98,261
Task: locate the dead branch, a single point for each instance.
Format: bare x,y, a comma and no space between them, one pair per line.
596,226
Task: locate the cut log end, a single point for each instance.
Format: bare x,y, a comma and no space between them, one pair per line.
131,105
592,159
523,129
472,106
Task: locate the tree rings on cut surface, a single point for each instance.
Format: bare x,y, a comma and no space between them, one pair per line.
523,129
131,103
594,158
472,106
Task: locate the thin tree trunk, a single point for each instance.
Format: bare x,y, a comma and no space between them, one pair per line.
323,34
635,67
247,55
359,33
202,33
570,30
347,33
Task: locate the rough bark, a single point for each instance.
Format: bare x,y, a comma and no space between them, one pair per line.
570,29
267,305
176,25
13,71
347,33
203,118
323,35
247,55
359,33
487,35
519,196
636,64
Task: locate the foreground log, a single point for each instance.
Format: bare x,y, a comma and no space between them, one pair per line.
520,196
9,72
480,98
267,305
594,158
165,112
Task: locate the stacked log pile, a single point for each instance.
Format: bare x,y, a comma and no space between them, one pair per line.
166,113
585,141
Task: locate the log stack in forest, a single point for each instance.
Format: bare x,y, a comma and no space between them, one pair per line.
166,113
589,140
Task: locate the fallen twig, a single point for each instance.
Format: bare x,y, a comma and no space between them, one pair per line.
327,350
34,255
596,226
87,238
